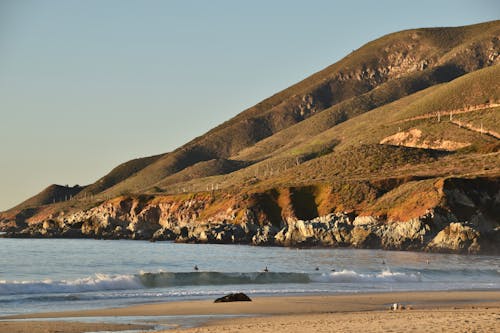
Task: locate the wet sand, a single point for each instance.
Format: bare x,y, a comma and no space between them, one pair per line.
458,311
66,327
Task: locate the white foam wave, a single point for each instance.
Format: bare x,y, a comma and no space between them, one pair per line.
348,276
107,283
97,282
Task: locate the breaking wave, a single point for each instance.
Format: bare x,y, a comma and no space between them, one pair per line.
347,276
152,280
97,282
168,279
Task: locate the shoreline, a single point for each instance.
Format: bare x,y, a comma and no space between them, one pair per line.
270,311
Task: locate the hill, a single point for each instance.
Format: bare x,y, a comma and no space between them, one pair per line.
397,64
413,114
50,195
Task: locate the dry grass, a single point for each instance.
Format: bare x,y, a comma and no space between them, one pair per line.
313,148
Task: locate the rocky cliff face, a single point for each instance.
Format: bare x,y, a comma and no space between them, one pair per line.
452,226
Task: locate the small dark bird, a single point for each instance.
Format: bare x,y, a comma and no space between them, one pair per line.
316,269
266,270
195,267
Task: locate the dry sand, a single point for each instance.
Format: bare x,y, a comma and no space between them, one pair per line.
463,311
442,320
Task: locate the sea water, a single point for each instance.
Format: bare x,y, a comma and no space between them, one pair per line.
39,275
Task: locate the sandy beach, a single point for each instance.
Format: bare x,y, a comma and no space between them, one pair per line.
457,311
436,320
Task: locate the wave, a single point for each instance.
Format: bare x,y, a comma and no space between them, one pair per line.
348,276
104,282
98,282
168,279
151,280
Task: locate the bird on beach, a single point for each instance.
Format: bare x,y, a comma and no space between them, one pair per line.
195,267
266,270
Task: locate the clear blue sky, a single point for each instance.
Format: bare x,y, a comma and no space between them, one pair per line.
86,85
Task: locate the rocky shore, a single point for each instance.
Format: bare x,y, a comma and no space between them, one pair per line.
436,231
427,233
462,217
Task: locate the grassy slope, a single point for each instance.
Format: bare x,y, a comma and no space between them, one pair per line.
356,74
51,194
352,112
118,174
371,127
357,155
472,89
303,131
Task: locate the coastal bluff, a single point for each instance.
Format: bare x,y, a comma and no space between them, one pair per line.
459,219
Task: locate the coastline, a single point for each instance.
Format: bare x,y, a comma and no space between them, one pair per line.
479,309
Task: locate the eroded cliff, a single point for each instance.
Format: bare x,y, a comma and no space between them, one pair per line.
459,215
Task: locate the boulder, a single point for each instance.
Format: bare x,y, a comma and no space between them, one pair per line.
237,297
71,233
456,237
364,237
264,235
365,220
409,235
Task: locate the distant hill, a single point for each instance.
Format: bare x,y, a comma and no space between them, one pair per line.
50,195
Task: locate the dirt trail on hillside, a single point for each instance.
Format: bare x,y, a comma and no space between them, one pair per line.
472,108
481,130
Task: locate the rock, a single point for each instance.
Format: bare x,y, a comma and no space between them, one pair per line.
471,202
50,225
297,232
365,237
71,233
412,234
365,220
456,237
264,235
144,229
238,297
164,234
328,230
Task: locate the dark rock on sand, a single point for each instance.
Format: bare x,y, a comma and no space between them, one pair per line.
238,297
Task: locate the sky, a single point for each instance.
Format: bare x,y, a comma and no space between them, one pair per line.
86,85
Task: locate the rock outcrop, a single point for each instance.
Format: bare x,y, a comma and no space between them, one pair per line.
333,230
465,221
456,237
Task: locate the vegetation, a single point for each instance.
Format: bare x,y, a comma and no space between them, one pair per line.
319,146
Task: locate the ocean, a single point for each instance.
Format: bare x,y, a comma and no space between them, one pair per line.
40,275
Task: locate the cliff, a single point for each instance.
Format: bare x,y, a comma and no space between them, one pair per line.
459,217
